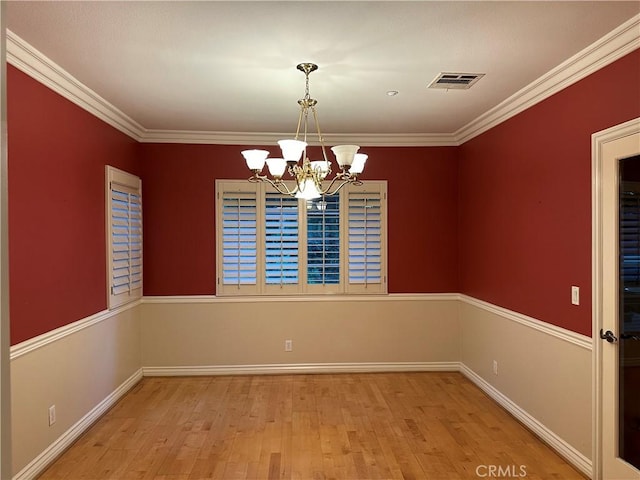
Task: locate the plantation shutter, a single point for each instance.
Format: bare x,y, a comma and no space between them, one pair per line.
281,241
238,223
323,241
124,219
366,240
268,243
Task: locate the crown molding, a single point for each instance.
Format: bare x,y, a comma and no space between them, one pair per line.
609,48
26,58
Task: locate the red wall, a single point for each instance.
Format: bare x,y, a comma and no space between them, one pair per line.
57,153
178,190
525,199
505,218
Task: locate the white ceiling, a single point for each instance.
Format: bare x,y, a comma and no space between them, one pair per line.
230,66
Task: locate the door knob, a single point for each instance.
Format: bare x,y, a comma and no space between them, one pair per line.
608,336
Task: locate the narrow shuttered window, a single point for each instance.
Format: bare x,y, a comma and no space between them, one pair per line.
126,240
124,231
239,226
366,238
281,240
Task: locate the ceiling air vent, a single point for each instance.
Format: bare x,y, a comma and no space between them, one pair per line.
458,81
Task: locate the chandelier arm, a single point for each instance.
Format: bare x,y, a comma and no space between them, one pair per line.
338,188
297,173
279,185
257,178
321,139
324,191
344,179
282,188
299,121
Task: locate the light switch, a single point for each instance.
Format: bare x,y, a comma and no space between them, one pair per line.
575,295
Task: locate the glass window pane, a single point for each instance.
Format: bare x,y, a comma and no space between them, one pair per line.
281,239
323,241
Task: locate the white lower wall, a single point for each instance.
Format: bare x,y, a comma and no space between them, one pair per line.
544,374
213,335
81,369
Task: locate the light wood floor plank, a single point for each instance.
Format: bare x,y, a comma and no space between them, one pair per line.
404,426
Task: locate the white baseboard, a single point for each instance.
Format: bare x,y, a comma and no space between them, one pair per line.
42,461
309,368
569,453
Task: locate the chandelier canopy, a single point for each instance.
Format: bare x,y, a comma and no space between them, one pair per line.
312,178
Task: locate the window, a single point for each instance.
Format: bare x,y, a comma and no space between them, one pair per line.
281,240
238,214
365,244
124,237
273,244
323,241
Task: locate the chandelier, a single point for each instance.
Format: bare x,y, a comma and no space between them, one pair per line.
312,178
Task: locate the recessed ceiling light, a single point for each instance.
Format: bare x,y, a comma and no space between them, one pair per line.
392,93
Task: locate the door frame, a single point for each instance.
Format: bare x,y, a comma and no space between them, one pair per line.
598,141
5,364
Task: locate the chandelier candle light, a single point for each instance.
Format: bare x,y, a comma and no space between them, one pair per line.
309,176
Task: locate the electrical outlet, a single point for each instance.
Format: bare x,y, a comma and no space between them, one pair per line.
495,367
288,345
52,415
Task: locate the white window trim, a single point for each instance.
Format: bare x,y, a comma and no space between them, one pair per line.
127,183
301,288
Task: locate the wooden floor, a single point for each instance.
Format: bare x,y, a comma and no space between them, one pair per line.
418,426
